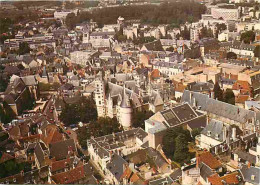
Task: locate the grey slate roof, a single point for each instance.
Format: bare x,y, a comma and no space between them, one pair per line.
59,150
246,156
39,154
205,171
180,114
219,108
248,173
215,128
117,166
125,100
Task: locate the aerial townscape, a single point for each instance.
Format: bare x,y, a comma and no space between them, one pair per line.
151,92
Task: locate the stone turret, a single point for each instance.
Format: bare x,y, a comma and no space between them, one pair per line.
125,111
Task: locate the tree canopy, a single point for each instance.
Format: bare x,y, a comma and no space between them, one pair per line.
257,51
139,117
84,111
218,93
175,13
6,113
248,37
100,127
206,32
231,55
24,48
175,144
229,97
11,167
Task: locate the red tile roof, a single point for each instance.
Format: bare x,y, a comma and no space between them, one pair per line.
71,176
6,157
127,173
239,84
208,159
52,135
231,178
58,165
242,98
155,74
215,179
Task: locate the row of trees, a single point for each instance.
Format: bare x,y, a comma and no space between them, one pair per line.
174,13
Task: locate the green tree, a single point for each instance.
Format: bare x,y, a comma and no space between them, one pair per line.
171,49
139,117
220,27
169,140
71,21
185,33
248,37
181,153
195,132
231,55
24,48
205,32
27,101
11,167
20,66
229,97
257,51
84,111
218,93
100,127
3,83
6,112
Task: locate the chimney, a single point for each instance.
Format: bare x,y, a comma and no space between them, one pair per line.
197,160
224,133
234,133
190,96
248,165
110,155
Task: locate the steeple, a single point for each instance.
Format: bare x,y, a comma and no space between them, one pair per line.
124,102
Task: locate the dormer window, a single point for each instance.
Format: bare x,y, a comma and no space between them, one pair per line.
209,133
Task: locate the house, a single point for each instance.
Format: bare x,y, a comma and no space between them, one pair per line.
182,115
17,95
101,39
152,46
250,174
78,175
216,133
227,113
107,151
122,102
62,149
242,49
200,172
